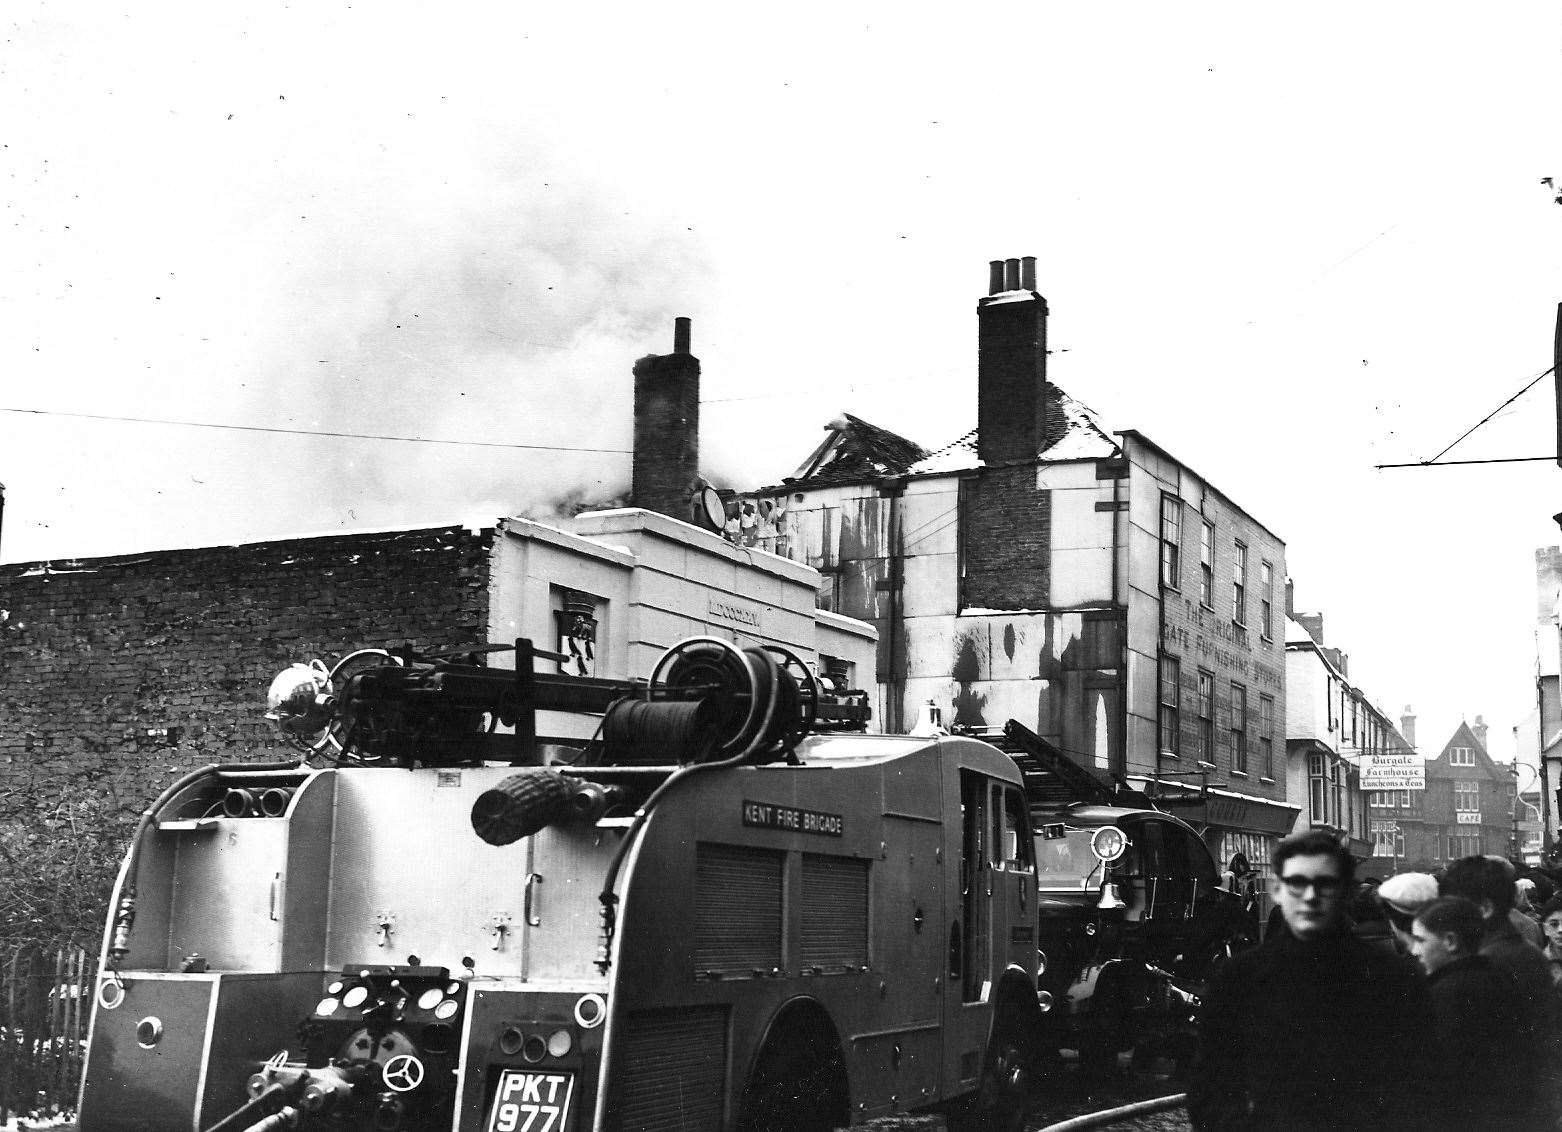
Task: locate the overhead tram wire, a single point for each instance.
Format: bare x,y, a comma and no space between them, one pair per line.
1438,462
312,432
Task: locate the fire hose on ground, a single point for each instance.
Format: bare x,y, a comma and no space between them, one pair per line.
1108,1117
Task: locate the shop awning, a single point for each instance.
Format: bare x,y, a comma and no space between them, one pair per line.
1217,806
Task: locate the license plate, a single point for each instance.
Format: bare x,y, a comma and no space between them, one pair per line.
528,1101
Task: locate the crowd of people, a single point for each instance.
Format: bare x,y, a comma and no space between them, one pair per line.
1429,1001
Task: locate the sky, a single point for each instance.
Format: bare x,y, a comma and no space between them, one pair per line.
1286,243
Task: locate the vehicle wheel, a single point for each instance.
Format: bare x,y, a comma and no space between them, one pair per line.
795,1090
1003,1097
1098,1055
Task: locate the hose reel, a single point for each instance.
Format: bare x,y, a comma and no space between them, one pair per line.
763,698
706,702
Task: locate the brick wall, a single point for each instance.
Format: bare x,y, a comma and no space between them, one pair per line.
117,674
1006,537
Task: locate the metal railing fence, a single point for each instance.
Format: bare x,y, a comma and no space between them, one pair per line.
45,1003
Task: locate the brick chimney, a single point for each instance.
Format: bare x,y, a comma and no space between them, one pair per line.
666,463
1407,726
1313,623
1479,729
1013,420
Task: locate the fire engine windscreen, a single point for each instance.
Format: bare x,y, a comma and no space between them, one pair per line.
1065,860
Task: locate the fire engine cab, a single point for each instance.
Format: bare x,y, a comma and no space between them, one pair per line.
519,889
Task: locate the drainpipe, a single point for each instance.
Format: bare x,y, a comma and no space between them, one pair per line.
895,703
1120,723
1547,803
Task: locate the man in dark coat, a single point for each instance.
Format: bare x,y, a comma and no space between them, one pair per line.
1478,1015
1488,882
1314,1029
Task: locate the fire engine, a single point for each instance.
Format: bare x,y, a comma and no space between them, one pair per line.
1131,913
715,902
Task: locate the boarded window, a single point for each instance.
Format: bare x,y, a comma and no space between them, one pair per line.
835,912
737,909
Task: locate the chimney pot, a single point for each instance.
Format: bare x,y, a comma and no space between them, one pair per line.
1011,275
994,276
1028,273
681,335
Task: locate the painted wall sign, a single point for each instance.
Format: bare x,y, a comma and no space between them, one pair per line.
767,815
1196,633
1393,772
727,611
1468,817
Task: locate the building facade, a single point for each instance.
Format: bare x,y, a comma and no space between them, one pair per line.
1469,802
1332,730
1086,583
121,673
1544,741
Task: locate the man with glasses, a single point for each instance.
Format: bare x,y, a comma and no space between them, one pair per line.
1314,1029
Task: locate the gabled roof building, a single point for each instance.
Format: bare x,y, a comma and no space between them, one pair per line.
1469,801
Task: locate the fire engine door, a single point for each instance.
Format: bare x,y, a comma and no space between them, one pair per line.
978,927
1011,861
970,958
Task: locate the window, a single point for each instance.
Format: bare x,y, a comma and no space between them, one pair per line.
1467,796
1238,728
1404,799
1461,756
1266,598
1206,751
1171,705
1318,789
1388,843
1464,845
1171,542
1010,848
1207,565
1266,735
1239,586
1381,799
577,620
1326,790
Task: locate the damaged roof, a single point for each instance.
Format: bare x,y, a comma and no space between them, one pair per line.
855,450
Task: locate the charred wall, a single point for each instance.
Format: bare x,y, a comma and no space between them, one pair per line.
117,674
